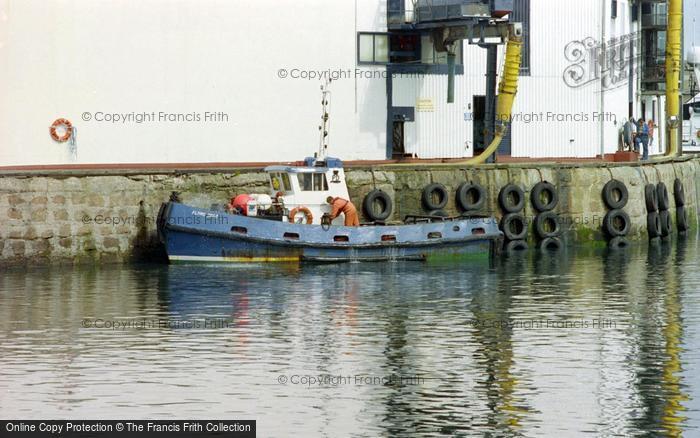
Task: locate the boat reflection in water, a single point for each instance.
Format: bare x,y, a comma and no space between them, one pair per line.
578,342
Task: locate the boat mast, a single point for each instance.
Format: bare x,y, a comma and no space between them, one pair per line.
325,120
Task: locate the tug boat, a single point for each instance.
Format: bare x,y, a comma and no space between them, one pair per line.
290,224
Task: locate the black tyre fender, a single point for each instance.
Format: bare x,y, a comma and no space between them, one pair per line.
653,225
438,213
678,192
619,242
427,196
681,219
662,196
666,223
650,198
369,202
471,196
615,194
515,204
516,246
544,189
547,225
616,223
550,244
514,226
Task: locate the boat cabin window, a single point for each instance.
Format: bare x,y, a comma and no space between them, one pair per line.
313,182
280,182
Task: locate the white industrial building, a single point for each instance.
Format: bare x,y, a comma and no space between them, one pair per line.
189,81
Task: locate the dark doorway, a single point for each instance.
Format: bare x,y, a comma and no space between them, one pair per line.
399,116
478,123
397,145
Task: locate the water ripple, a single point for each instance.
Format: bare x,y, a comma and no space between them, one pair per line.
584,342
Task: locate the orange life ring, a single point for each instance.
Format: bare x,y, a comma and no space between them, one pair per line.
306,211
67,125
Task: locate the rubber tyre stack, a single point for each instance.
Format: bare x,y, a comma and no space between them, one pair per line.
514,225
651,200
544,198
616,223
664,213
681,214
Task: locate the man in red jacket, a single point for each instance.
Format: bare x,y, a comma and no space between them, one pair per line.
340,205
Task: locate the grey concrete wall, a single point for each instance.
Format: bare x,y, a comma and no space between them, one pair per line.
75,216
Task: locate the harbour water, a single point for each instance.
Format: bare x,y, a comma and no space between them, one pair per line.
583,342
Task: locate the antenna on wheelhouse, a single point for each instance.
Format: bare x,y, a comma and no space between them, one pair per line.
325,120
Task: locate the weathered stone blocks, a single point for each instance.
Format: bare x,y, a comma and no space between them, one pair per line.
39,214
14,213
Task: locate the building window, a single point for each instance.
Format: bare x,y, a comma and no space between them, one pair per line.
521,14
372,48
613,8
404,48
401,49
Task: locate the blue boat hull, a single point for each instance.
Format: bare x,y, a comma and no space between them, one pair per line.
196,235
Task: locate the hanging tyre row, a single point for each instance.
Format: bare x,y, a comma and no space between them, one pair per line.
471,197
657,200
651,199
544,198
681,214
511,199
616,223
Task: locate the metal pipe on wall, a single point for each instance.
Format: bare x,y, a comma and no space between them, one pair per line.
673,72
602,57
451,76
490,111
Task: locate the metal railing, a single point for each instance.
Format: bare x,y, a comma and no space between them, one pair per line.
435,10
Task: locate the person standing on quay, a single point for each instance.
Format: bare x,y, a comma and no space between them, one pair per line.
643,135
627,136
635,137
651,132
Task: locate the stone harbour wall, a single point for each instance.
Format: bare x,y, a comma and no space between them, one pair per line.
109,216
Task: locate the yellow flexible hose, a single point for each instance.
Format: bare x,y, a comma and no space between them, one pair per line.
673,73
507,89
